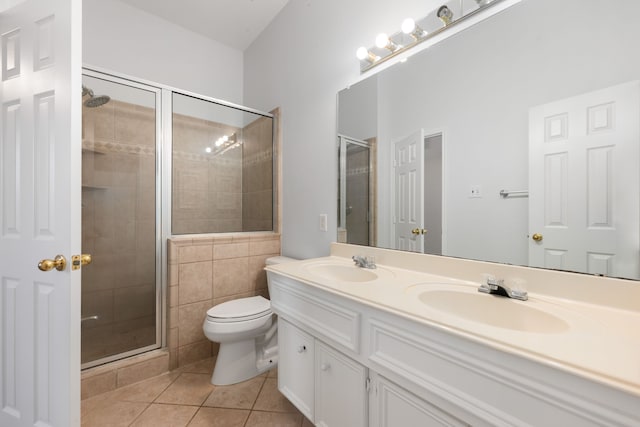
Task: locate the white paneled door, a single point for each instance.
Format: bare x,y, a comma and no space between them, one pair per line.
40,213
585,182
409,191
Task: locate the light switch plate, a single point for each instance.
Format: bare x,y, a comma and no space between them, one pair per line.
323,222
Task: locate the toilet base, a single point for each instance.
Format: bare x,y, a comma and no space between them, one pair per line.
236,362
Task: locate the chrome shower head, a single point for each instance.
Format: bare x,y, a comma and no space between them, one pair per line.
96,101
93,101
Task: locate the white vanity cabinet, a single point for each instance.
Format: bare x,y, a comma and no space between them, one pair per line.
296,367
393,406
341,389
323,369
328,387
345,361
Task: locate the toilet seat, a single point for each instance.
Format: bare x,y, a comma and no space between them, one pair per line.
240,310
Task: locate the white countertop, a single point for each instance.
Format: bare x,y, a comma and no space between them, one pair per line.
596,341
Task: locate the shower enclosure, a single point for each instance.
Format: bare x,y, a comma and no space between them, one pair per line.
120,289
357,191
217,176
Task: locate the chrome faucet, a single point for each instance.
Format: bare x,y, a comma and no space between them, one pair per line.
364,261
497,287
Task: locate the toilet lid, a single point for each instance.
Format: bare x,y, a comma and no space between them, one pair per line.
240,308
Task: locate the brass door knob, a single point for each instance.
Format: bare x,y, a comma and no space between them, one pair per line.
537,237
80,260
59,263
419,231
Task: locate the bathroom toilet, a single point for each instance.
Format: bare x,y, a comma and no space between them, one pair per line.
246,330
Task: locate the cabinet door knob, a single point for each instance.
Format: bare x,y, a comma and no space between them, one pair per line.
302,348
325,367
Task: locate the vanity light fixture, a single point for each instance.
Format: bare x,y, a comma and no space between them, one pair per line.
445,15
222,140
363,53
414,32
409,27
224,144
384,42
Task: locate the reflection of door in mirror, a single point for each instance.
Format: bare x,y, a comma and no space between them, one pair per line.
418,193
582,149
357,191
408,173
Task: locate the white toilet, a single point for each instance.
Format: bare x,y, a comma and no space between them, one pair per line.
246,330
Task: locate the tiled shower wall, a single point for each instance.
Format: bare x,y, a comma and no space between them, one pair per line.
257,176
206,271
207,188
221,192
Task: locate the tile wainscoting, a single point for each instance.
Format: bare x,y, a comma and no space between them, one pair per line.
206,271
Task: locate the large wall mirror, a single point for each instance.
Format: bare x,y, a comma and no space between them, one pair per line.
515,141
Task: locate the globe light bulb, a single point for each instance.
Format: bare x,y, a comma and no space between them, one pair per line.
408,25
208,149
382,40
362,53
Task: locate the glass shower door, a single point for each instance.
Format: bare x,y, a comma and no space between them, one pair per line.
357,191
120,289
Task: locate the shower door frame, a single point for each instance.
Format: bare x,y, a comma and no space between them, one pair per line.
161,256
343,140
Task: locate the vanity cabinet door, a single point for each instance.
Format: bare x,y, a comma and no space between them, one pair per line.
393,406
295,366
341,389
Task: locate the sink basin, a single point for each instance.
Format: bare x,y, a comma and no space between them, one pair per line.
342,273
497,311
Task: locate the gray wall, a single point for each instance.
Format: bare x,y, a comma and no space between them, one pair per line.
121,38
299,63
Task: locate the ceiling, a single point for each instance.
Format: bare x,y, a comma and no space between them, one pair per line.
235,23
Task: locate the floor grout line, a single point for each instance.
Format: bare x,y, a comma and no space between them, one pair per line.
140,414
139,397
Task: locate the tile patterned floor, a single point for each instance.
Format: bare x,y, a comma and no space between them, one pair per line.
185,397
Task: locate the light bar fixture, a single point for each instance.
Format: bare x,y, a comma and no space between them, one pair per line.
413,33
410,27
